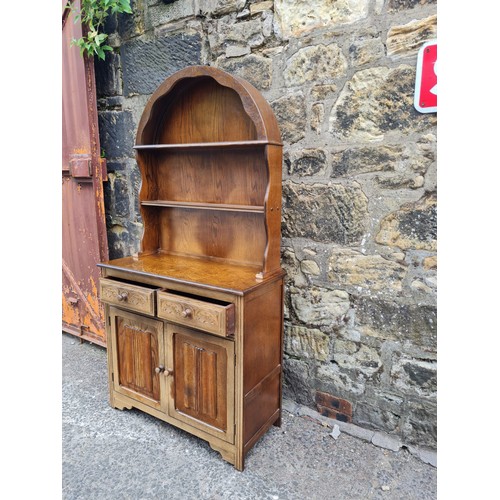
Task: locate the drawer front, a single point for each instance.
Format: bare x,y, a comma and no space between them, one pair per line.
207,316
127,296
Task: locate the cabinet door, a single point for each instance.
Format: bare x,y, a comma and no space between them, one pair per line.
138,354
201,381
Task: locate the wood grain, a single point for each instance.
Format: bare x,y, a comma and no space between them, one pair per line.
195,313
138,348
202,384
202,272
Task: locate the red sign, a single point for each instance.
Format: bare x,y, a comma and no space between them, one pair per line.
425,99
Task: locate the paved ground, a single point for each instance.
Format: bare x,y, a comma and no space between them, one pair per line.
113,454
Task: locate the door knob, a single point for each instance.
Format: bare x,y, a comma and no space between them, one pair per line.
160,369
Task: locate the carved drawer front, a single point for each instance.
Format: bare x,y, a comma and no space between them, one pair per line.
138,298
205,314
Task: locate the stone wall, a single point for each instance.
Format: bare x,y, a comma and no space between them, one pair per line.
359,182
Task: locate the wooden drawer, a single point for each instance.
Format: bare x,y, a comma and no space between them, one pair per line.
206,314
133,297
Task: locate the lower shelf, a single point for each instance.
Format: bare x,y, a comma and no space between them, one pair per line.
193,205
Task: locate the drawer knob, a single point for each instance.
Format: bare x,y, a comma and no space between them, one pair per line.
187,313
122,296
160,369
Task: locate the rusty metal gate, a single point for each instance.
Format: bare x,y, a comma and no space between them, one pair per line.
84,241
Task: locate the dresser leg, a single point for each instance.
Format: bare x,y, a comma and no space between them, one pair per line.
119,404
240,462
277,422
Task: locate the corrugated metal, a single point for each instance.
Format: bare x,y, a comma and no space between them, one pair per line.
83,220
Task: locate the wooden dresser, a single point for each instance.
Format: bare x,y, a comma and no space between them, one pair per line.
195,320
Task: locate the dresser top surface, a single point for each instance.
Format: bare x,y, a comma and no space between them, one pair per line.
201,272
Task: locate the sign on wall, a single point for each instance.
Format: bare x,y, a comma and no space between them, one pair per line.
425,99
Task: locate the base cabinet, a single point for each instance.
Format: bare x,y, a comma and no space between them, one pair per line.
222,385
186,373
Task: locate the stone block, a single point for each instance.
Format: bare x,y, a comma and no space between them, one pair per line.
118,195
290,112
117,134
147,63
413,226
377,101
356,431
307,343
414,376
372,415
299,18
387,441
315,64
390,320
124,239
400,181
220,7
356,356
310,267
319,306
237,51
420,425
107,75
307,162
166,13
322,92
317,117
224,34
398,5
255,69
362,160
334,213
131,25
297,381
427,455
331,378
365,273
430,263
256,8
406,40
365,51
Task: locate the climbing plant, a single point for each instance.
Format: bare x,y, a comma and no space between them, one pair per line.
93,14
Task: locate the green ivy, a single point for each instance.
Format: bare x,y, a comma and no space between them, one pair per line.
93,14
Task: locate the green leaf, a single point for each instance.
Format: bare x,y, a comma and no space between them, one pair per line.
93,13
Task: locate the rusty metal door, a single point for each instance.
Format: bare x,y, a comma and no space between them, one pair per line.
84,241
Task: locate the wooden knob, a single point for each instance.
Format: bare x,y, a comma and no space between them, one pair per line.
122,296
160,369
187,313
169,372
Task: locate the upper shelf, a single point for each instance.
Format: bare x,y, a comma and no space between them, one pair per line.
225,207
206,145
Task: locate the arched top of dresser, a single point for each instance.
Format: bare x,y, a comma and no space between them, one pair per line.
254,109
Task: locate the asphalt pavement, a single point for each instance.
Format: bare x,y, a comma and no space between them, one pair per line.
128,455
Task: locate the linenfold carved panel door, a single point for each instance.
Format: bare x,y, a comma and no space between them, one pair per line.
83,220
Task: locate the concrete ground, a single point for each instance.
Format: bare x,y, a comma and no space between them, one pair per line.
113,454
